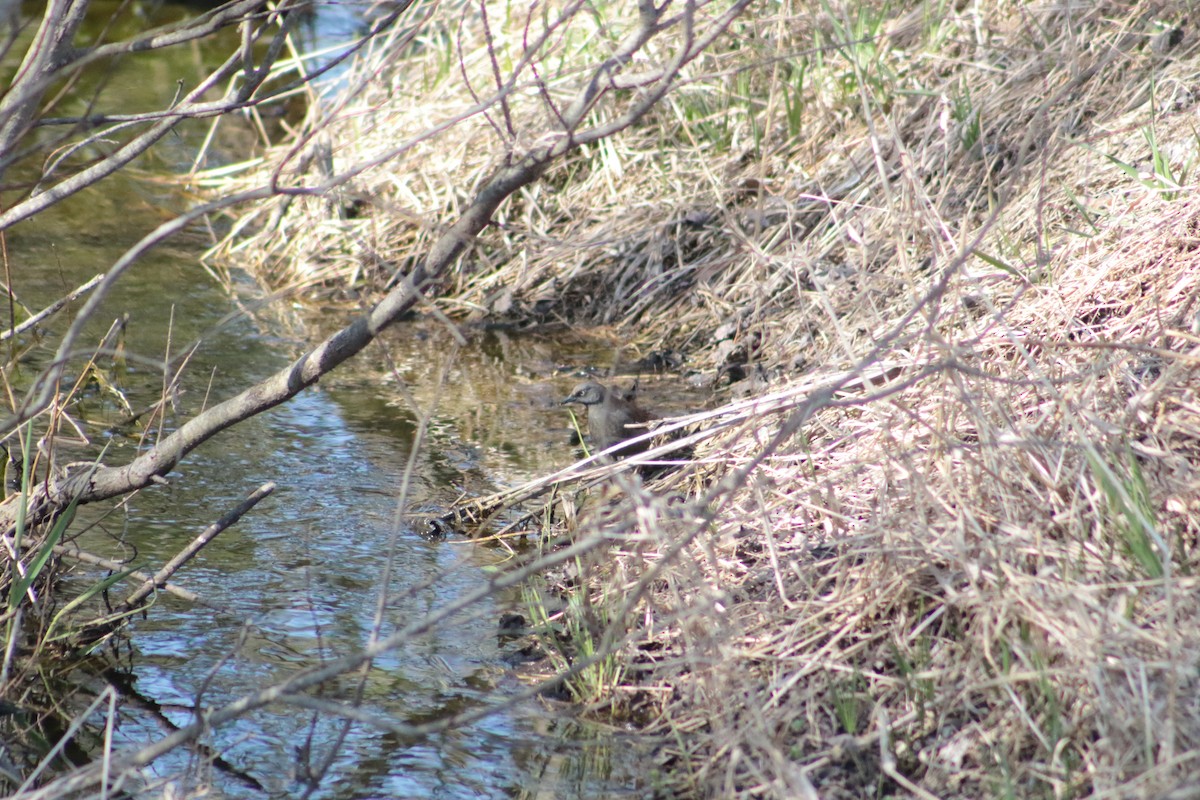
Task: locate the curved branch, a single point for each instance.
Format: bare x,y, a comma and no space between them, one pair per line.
192,106
105,482
51,47
52,55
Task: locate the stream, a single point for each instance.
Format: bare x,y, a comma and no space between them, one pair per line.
300,577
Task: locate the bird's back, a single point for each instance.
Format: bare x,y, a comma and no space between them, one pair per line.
609,423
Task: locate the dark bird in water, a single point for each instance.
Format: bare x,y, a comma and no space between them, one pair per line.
612,417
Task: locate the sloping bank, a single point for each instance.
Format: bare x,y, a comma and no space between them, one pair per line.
939,265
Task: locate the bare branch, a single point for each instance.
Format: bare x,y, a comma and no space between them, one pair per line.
517,173
51,56
50,310
207,535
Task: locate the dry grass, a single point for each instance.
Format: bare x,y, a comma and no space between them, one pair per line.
973,575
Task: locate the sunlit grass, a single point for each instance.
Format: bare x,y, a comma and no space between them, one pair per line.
976,226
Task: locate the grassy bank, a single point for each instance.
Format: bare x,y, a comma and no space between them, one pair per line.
939,267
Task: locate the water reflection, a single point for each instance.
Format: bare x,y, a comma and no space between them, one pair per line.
307,566
301,576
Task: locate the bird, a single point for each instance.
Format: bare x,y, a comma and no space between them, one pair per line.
612,417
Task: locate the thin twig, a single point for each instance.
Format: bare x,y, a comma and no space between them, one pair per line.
185,555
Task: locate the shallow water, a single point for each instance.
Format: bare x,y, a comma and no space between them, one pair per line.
301,576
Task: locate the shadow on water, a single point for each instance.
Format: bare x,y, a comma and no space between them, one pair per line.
302,575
